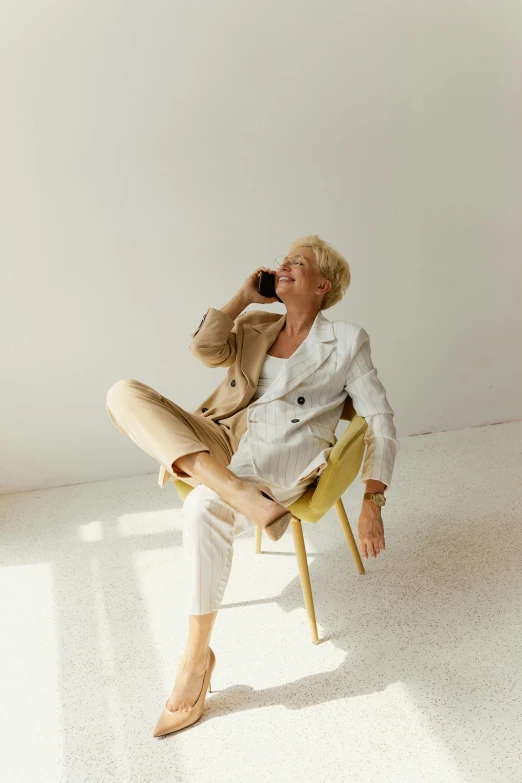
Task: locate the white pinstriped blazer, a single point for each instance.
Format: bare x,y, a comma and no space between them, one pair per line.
290,428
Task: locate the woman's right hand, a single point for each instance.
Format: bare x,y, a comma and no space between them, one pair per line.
249,288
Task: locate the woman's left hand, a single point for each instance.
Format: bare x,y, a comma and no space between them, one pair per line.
371,530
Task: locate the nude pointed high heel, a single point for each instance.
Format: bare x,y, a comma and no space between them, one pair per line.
277,527
174,721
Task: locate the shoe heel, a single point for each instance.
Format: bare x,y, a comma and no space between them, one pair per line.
276,529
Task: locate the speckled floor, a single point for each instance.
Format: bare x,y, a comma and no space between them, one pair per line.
418,676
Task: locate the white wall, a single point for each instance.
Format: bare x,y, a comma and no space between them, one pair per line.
153,154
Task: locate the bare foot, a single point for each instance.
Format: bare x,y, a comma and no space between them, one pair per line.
188,684
255,506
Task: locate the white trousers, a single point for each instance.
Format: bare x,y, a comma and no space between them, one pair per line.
209,528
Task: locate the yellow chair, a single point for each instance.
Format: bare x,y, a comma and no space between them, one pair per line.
343,467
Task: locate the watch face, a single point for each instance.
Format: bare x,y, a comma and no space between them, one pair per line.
379,497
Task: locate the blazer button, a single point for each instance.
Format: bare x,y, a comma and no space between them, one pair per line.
233,383
301,400
204,410
294,421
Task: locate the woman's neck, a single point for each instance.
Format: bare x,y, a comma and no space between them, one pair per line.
299,322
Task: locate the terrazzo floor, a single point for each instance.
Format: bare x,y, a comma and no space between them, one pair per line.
417,676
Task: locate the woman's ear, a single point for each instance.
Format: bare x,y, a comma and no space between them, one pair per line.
324,286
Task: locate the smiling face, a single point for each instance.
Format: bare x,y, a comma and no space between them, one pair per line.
301,280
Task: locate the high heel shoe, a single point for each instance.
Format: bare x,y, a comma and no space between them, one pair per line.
276,528
174,721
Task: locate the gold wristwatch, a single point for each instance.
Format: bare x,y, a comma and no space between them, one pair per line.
377,497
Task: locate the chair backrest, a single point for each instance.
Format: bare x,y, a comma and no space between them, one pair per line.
343,467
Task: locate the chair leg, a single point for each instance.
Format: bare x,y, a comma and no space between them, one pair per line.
304,574
258,540
341,513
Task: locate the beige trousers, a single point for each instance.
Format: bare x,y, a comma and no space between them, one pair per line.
164,430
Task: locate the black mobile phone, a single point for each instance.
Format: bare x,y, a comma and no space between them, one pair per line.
266,286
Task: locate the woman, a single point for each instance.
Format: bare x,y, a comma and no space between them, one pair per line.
256,443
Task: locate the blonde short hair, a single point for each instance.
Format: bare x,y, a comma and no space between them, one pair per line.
331,263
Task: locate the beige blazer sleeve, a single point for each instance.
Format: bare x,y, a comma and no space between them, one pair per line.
214,341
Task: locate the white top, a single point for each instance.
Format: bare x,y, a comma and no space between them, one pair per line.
269,371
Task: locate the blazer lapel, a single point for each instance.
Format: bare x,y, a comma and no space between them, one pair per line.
312,352
257,339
